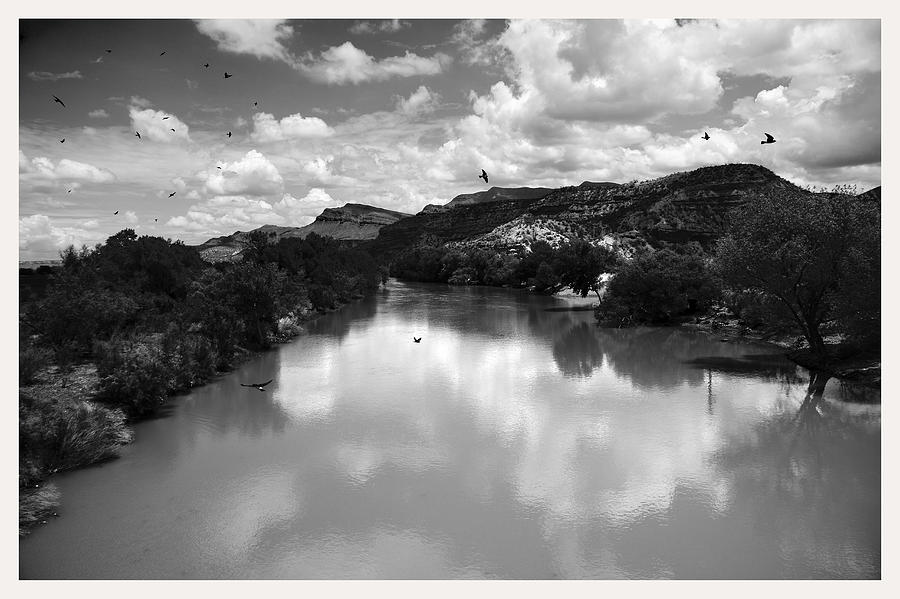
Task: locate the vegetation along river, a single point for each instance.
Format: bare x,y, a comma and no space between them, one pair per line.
517,440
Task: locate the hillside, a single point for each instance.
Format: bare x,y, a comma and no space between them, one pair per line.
348,222
681,207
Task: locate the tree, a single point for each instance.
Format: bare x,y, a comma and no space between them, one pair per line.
580,264
799,248
658,286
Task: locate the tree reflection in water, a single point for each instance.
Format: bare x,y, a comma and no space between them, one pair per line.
577,352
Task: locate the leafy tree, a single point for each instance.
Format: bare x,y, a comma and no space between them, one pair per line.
658,286
580,264
804,249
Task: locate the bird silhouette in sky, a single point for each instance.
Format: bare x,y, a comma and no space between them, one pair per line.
173,193
705,135
255,103
219,167
136,134
206,66
769,139
173,130
258,386
156,220
229,134
163,52
165,117
68,191
63,140
55,99
227,75
417,339
483,175
116,212
109,51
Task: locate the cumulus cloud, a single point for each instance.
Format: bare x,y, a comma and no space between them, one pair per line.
227,213
266,128
39,238
46,76
339,65
98,114
150,124
419,102
304,210
252,175
371,27
140,102
263,38
43,168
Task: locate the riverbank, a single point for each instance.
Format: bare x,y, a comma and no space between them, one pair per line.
841,361
63,424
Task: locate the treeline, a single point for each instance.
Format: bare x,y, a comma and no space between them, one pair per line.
155,319
543,268
796,262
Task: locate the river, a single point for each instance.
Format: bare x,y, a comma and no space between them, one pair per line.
516,441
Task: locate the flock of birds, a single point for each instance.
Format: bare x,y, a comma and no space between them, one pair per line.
137,134
261,386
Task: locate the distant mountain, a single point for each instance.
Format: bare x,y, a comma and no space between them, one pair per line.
349,222
681,207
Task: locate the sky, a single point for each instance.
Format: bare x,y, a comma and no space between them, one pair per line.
401,113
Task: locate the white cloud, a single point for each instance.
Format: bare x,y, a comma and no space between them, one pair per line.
263,38
43,168
346,63
266,128
130,217
302,211
45,76
370,27
98,114
419,102
39,238
252,175
140,102
150,124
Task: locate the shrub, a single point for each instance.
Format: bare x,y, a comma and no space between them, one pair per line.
133,374
31,361
657,287
36,505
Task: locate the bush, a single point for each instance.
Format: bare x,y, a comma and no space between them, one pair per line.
65,433
36,505
657,287
31,361
133,374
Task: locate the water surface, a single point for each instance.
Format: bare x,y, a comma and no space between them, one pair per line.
512,442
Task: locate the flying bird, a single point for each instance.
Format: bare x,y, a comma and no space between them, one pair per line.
108,51
257,385
219,167
55,99
227,75
483,175
229,134
136,134
163,52
173,193
68,191
63,140
769,139
116,212
156,220
417,339
255,103
206,66
165,117
705,135
173,130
